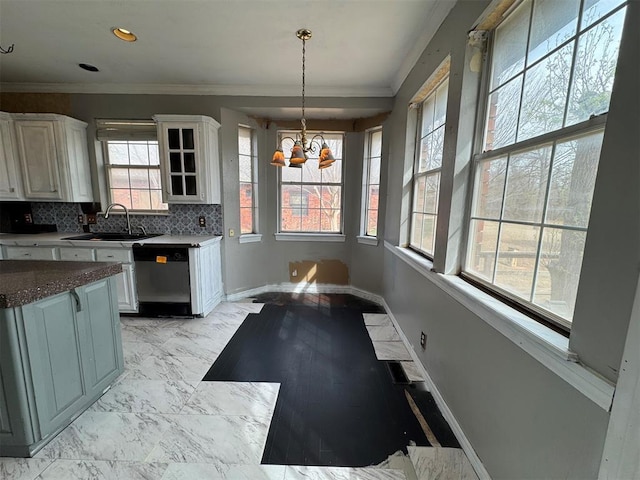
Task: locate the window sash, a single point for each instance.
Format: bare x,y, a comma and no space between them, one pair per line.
311,184
251,185
428,134
366,229
147,168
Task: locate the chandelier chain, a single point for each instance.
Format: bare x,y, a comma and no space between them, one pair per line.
304,122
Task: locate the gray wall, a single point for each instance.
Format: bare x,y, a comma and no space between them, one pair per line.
523,421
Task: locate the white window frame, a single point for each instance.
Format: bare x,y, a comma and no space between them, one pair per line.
365,237
416,174
589,126
254,235
313,158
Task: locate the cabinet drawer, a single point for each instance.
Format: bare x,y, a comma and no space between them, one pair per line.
124,255
30,253
77,254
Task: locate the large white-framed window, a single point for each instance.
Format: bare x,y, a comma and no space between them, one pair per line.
248,180
427,166
371,183
311,198
552,66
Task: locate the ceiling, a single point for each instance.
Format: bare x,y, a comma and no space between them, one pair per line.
360,48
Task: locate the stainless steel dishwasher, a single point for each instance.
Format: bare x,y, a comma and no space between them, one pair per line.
162,279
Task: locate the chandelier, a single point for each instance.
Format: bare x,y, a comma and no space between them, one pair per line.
300,145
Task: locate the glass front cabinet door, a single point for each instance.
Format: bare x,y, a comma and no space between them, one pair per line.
189,158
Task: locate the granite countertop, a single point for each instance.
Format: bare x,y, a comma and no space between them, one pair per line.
26,281
58,239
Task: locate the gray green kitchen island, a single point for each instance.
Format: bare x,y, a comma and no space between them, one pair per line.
60,346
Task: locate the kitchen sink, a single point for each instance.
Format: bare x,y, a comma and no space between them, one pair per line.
113,237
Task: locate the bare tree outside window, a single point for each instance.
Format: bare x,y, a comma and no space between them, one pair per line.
553,66
321,212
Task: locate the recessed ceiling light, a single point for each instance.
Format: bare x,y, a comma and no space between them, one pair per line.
88,67
124,34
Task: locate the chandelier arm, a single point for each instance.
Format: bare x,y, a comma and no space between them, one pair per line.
285,138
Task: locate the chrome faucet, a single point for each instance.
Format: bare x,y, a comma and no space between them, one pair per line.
126,211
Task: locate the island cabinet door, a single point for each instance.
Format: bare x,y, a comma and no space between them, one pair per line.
54,356
99,331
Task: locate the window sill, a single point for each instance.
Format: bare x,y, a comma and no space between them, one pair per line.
250,238
310,237
367,240
548,347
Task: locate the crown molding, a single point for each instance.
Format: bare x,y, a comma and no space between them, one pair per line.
178,89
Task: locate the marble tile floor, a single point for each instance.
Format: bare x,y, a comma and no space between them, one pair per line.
441,463
158,421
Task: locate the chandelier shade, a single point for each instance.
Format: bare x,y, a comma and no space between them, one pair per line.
301,147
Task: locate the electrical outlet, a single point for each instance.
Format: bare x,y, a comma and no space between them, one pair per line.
28,219
92,219
80,218
202,221
423,340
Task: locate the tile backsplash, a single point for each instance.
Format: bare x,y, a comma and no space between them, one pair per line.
181,219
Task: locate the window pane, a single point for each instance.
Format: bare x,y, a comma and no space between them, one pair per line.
553,23
559,271
120,195
481,253
118,153
374,170
290,219
374,195
376,143
431,194
173,136
190,185
489,187
139,179
312,174
594,69
331,197
154,179
437,147
245,168
425,153
140,200
119,177
139,153
428,109
246,194
175,161
440,113
187,139
526,185
502,118
176,185
291,174
246,220
517,258
419,189
333,174
573,178
428,233
154,157
510,45
416,229
372,223
156,200
311,219
244,141
596,9
330,220
545,94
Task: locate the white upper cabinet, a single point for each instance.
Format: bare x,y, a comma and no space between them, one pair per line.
189,158
54,159
10,184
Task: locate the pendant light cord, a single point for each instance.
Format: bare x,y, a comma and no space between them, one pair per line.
304,122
